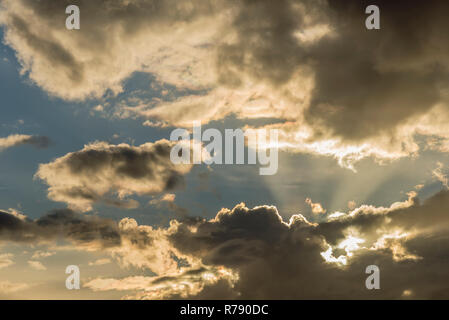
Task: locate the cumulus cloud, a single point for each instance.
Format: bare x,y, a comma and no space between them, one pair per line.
185,284
387,88
21,139
130,244
102,172
116,39
400,239
367,85
388,72
293,60
143,246
253,253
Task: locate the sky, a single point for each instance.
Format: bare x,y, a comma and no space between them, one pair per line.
86,177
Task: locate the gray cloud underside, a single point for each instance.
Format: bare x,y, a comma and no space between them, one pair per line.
277,261
106,173
64,224
274,259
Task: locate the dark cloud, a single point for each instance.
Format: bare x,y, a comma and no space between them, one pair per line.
55,52
13,140
40,142
430,215
377,79
63,224
311,63
266,47
128,243
107,173
373,80
273,259
279,261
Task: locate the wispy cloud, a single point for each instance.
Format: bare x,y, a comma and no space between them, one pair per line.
21,139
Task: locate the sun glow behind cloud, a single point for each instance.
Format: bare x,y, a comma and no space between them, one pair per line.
349,245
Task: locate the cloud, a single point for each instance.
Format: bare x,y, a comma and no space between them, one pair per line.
85,231
115,40
229,256
440,175
130,244
388,62
102,172
369,86
42,254
11,287
168,198
334,89
6,260
16,214
146,247
293,61
37,265
100,262
388,88
21,139
317,208
256,243
185,284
